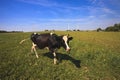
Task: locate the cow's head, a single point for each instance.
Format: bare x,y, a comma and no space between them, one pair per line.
65,42
34,36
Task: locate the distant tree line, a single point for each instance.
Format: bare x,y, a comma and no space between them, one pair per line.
3,31
115,28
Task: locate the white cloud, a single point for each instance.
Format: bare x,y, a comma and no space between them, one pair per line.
93,1
107,10
45,3
98,15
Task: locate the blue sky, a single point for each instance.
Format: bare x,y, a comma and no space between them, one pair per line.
37,15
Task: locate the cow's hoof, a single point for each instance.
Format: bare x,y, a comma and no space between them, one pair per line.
55,61
37,56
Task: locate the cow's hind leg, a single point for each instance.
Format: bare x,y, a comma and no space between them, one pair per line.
34,49
55,59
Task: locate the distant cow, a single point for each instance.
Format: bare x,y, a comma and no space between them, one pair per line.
51,41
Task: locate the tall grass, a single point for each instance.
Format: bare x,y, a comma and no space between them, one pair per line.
94,56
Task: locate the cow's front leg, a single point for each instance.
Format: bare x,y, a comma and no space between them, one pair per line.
34,49
55,59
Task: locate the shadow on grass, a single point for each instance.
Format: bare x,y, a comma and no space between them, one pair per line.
61,57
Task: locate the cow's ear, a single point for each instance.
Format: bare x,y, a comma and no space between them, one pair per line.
70,38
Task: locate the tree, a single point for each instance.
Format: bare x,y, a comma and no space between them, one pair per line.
111,28
115,27
99,29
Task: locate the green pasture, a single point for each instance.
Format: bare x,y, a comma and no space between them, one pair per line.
93,56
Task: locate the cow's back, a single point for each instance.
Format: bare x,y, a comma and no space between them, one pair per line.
46,40
40,39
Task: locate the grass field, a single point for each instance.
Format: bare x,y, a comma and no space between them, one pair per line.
94,56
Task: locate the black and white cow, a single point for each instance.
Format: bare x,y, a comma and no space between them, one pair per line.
51,41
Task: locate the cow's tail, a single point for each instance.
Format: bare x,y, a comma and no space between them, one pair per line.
24,40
